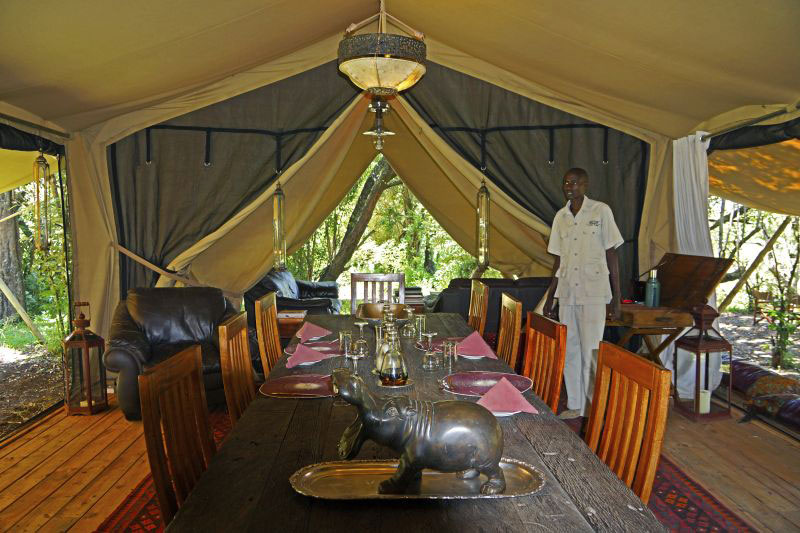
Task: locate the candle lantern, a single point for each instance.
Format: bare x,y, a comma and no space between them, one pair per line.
483,227
84,374
41,211
279,228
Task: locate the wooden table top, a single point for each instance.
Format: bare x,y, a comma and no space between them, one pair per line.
246,486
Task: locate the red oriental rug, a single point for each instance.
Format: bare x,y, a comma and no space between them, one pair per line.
680,503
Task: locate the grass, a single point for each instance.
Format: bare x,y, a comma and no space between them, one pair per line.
14,333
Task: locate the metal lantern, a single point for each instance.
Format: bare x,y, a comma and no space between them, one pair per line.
482,233
378,132
84,374
41,212
279,228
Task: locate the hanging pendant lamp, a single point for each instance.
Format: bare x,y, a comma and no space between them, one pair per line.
382,63
278,229
41,213
379,107
482,230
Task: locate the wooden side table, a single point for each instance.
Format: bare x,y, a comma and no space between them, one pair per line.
287,327
703,338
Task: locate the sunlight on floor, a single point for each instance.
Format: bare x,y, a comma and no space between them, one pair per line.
10,355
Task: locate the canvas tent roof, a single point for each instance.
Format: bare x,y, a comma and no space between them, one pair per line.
656,71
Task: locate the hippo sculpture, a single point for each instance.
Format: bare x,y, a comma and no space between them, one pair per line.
449,436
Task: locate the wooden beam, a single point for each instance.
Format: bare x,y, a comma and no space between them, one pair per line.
21,310
757,261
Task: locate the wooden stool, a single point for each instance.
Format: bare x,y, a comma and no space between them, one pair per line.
702,338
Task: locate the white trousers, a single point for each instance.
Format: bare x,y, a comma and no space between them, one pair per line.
585,324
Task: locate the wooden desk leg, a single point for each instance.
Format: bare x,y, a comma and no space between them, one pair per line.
626,337
666,342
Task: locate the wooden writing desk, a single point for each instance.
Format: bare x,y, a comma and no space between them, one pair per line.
645,321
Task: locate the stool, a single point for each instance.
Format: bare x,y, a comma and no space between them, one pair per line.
702,338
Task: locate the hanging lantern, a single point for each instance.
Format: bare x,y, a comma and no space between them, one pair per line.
279,228
482,233
84,374
379,107
41,211
382,63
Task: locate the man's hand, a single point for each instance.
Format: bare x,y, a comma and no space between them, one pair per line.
613,310
548,309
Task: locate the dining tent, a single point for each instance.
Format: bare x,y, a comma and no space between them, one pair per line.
104,73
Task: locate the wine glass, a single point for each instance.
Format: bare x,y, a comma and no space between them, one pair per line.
429,335
360,347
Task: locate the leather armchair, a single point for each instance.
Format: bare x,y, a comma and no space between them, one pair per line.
153,324
317,297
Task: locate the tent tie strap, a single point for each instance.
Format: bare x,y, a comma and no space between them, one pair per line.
166,273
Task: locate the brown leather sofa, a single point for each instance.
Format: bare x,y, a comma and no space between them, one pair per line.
153,324
455,298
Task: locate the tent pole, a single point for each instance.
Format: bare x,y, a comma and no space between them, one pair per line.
752,121
21,310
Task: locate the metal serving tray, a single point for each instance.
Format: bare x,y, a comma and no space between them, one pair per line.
358,480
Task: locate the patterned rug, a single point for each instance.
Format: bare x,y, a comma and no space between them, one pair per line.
678,501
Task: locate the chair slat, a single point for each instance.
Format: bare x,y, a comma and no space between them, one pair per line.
376,288
545,352
629,413
478,306
510,327
176,429
237,369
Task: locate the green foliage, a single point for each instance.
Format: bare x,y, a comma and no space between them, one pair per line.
401,237
784,324
14,333
44,276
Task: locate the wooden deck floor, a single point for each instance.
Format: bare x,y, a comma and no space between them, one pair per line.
69,473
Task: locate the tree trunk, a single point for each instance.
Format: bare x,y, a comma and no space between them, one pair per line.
10,267
375,184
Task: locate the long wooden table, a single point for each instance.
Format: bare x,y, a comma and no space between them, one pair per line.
246,487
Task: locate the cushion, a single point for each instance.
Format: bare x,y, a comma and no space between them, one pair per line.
282,282
771,385
789,413
170,315
746,374
771,404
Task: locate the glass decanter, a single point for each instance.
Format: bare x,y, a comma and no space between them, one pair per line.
382,346
393,367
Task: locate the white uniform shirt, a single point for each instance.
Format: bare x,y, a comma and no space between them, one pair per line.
581,242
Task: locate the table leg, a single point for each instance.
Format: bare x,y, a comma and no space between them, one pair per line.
625,337
666,342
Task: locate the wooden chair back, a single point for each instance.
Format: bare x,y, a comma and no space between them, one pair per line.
762,301
509,330
478,306
269,341
628,417
545,352
377,288
238,377
177,432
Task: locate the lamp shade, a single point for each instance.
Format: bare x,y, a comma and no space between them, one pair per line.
382,63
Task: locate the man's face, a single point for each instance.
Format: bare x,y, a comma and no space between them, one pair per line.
574,186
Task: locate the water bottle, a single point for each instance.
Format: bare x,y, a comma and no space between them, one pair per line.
652,291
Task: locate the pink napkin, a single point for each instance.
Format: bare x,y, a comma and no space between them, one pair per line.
506,398
476,346
304,354
311,331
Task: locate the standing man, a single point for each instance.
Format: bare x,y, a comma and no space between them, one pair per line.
584,239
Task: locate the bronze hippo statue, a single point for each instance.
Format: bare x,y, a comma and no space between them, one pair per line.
449,436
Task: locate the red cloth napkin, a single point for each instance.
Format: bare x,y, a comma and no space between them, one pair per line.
311,331
475,345
506,398
304,354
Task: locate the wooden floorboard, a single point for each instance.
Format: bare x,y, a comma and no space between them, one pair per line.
751,468
69,473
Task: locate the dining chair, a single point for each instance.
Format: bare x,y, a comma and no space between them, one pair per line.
269,341
374,285
509,331
478,306
177,432
238,377
545,352
628,416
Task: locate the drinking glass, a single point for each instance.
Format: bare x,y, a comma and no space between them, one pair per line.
449,355
345,342
430,361
429,335
360,347
420,327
